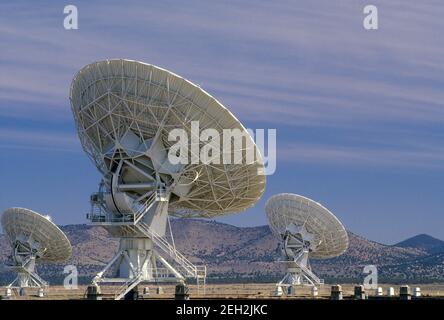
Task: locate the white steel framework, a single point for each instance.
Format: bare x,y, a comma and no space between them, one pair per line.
33,238
124,111
306,230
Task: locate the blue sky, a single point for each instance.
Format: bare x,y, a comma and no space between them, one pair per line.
359,114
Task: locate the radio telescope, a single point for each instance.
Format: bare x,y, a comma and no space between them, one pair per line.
306,230
34,239
124,112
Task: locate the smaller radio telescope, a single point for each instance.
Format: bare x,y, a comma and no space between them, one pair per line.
34,239
306,229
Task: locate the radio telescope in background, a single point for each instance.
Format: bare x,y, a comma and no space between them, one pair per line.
306,230
34,239
124,111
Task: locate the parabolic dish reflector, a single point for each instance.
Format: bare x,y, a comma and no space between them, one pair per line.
51,241
286,209
124,112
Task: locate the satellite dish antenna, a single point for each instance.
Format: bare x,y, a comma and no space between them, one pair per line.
34,239
306,230
124,111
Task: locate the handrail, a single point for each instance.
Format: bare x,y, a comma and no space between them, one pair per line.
99,215
127,287
145,208
167,248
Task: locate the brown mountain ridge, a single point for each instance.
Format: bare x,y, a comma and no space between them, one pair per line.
241,254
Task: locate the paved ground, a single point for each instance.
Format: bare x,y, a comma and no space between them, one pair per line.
222,291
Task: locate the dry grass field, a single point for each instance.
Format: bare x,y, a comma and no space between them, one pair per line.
220,291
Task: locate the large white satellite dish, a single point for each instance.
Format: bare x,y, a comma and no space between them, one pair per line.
33,238
306,229
124,111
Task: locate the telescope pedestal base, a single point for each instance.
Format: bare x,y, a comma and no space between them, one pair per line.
27,278
135,263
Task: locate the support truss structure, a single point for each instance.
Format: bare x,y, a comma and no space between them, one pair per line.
33,238
24,266
129,117
296,246
306,230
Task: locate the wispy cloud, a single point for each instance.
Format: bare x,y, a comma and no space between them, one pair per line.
287,64
431,157
40,140
311,50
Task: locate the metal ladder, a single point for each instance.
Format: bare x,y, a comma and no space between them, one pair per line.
201,278
127,287
191,270
145,208
162,243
